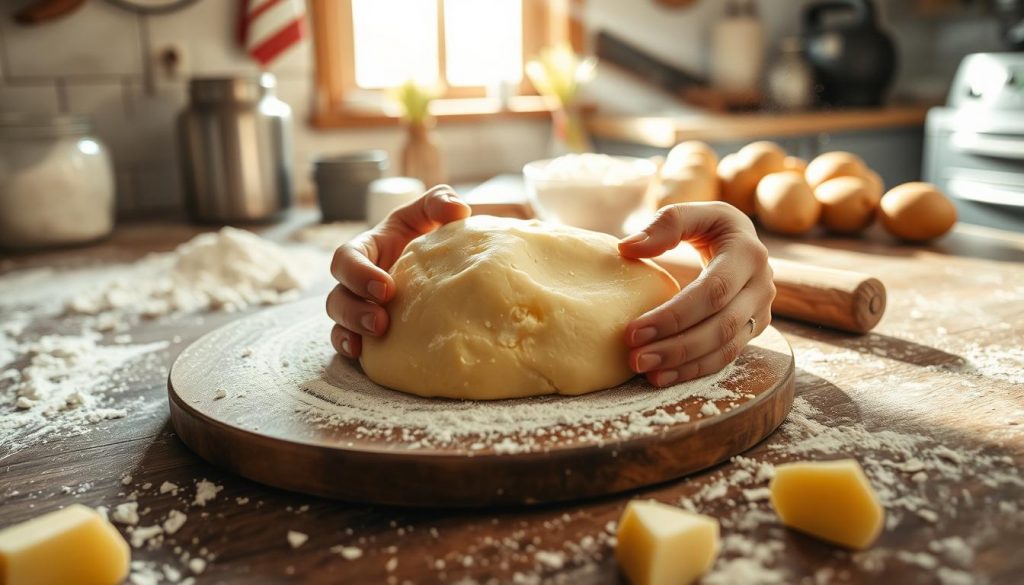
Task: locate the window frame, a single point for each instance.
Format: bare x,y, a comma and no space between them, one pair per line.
545,23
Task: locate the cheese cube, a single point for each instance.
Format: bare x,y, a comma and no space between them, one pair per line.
67,547
660,544
831,500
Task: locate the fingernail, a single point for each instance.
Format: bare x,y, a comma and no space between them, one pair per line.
666,378
369,322
642,336
345,348
633,239
647,362
377,289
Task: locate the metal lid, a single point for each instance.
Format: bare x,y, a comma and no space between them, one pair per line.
225,90
18,125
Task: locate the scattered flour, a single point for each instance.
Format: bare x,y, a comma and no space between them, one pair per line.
296,539
205,492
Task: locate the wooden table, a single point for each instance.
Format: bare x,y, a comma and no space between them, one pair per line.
929,378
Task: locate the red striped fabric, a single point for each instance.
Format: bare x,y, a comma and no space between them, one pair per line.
268,28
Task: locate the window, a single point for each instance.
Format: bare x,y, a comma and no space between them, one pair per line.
474,49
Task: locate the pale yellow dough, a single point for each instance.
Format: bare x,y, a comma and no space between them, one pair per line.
489,308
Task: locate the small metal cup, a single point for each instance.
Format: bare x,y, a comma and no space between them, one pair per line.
342,182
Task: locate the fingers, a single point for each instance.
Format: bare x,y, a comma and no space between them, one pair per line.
361,265
438,206
346,343
711,292
704,338
690,222
714,361
355,267
356,314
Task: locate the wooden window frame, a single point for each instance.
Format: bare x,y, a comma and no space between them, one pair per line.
545,23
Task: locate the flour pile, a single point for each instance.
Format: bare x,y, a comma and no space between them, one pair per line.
65,381
227,271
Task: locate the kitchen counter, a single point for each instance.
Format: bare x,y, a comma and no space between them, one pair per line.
667,131
931,403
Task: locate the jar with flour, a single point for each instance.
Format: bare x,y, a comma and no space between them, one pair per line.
56,182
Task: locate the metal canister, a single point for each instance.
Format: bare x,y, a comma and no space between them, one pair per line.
235,146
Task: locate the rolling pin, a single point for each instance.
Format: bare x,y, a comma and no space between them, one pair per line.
841,299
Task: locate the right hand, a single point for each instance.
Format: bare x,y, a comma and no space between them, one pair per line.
361,266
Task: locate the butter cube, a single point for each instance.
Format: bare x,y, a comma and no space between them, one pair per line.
831,500
660,544
68,547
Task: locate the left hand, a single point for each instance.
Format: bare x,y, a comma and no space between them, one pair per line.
706,325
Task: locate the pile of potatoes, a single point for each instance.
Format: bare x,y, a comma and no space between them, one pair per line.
790,196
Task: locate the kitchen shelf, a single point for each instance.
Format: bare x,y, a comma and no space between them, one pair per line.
667,131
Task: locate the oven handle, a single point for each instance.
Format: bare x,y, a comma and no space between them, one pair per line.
985,192
988,144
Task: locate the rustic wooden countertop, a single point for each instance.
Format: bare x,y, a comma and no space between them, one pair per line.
667,131
932,403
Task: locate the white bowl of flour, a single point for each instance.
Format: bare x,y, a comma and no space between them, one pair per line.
591,191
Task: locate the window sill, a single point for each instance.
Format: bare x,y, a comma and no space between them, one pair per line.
444,111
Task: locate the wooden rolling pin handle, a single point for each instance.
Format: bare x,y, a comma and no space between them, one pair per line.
842,299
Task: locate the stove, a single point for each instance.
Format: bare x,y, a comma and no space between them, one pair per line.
974,146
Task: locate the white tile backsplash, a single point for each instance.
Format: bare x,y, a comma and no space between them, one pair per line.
33,98
98,39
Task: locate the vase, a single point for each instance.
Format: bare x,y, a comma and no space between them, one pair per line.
421,157
568,132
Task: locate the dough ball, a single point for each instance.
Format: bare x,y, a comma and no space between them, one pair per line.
488,308
737,183
786,204
692,150
916,212
848,204
834,164
794,163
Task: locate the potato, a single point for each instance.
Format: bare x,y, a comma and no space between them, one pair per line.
686,188
764,156
691,150
744,169
877,185
848,204
794,163
737,184
786,204
916,212
834,164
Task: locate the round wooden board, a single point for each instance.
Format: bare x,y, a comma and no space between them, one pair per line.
265,397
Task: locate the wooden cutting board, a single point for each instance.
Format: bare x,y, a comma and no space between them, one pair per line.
265,397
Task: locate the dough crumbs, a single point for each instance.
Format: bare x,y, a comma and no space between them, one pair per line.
219,393
349,553
551,560
144,534
175,520
391,565
296,539
169,487
126,513
206,491
197,565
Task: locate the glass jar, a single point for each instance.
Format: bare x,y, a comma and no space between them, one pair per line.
56,182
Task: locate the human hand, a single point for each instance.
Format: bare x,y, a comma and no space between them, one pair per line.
706,325
361,266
